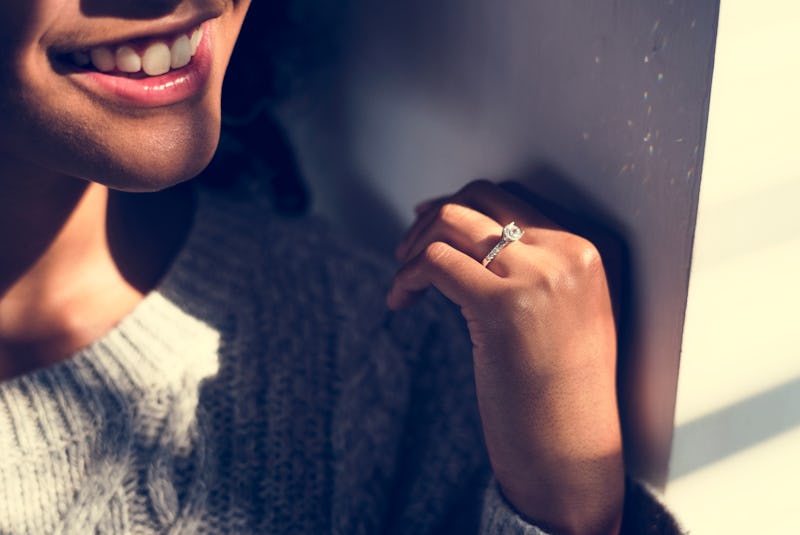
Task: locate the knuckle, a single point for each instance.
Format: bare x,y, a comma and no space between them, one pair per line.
550,280
451,213
546,280
586,257
435,252
583,250
579,257
577,266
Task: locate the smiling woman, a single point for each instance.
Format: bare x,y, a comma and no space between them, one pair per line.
186,361
99,122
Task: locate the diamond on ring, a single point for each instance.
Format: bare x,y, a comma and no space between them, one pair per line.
511,233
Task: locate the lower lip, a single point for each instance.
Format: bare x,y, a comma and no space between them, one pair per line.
154,91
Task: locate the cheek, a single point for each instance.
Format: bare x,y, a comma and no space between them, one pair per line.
47,124
73,137
21,20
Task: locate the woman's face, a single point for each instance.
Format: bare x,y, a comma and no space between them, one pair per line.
121,92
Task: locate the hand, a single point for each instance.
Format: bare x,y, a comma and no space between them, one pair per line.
544,351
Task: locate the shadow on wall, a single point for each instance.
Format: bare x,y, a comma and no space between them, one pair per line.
321,133
611,96
735,428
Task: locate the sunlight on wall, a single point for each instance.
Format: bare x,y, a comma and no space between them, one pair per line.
736,452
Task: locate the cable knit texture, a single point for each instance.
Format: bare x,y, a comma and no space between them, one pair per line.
262,388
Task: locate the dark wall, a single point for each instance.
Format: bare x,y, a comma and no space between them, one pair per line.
600,106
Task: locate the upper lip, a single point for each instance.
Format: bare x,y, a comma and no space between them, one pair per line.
141,30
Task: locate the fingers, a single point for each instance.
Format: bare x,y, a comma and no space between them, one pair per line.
451,236
481,196
465,229
425,205
452,272
501,205
426,213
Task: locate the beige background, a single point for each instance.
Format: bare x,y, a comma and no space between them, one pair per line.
736,454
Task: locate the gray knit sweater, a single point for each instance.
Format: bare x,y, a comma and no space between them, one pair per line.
262,388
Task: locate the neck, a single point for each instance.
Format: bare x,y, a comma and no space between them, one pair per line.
77,258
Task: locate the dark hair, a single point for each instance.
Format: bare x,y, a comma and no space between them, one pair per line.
284,44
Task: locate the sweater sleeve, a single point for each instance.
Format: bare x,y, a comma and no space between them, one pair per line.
499,517
446,460
643,515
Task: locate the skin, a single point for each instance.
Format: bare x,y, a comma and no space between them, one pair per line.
544,351
80,250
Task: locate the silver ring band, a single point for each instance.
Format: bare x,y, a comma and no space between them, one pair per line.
511,233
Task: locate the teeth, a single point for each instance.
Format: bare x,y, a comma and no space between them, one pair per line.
197,36
181,52
158,58
81,58
103,59
128,60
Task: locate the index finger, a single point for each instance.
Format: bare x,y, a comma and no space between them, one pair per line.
502,206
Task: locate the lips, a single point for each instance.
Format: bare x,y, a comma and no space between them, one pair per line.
145,72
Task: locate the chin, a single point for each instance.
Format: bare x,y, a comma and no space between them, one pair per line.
161,158
154,177
148,181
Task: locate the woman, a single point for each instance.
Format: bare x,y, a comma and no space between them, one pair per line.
182,361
